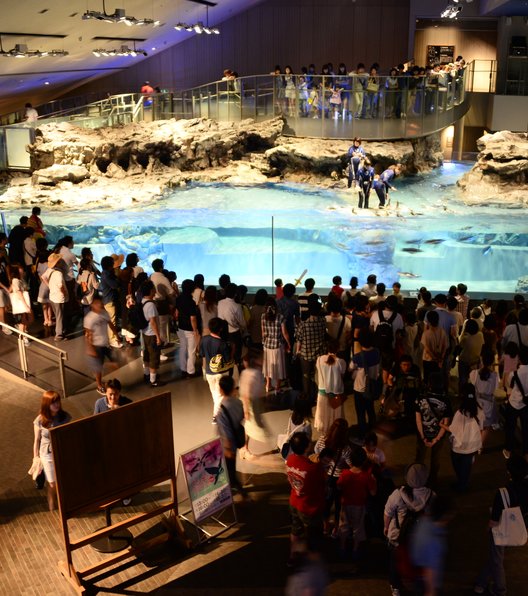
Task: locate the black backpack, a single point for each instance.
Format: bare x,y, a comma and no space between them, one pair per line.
384,334
136,316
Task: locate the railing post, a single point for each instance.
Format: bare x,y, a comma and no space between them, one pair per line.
23,356
62,374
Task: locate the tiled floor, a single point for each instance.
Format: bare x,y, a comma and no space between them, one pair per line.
250,558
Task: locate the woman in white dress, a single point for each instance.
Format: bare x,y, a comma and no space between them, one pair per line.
330,398
51,415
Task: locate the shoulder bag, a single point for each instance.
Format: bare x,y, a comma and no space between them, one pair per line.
511,530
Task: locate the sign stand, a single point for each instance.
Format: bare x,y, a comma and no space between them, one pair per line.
208,489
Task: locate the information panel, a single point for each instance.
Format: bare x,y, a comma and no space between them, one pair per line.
440,55
207,480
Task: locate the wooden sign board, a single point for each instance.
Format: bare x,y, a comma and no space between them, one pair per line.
440,55
113,455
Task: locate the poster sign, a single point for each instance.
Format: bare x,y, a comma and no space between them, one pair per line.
207,480
440,55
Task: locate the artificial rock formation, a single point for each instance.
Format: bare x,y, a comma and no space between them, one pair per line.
500,174
136,163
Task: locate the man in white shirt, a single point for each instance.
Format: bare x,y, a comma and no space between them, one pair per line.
58,292
517,407
151,336
96,324
31,114
231,312
369,289
164,298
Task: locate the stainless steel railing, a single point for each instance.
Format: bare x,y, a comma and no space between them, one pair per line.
50,351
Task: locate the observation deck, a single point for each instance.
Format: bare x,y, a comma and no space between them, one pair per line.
334,107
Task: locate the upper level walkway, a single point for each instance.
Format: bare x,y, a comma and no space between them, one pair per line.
336,107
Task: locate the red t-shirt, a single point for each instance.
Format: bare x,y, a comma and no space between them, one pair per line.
356,487
307,480
337,290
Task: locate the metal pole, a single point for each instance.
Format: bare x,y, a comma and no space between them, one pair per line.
4,224
62,375
272,251
23,358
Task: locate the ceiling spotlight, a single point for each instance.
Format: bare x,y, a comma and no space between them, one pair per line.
451,11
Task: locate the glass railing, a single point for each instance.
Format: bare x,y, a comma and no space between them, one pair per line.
372,108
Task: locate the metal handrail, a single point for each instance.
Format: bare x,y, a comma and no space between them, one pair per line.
62,355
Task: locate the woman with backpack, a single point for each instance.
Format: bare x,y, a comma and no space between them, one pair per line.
402,511
367,383
486,382
466,438
87,284
330,397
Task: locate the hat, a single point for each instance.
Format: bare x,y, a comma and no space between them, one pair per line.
416,475
53,259
118,260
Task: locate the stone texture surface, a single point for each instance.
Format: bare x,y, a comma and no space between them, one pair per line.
138,162
501,172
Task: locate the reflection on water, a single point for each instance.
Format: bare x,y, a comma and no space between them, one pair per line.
427,237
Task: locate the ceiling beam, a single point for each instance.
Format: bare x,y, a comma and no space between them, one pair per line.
44,35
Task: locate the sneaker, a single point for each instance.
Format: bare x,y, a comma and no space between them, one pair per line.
7,331
101,390
116,344
157,383
126,502
395,591
59,338
506,454
163,358
26,341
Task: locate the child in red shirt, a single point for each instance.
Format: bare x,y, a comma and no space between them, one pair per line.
336,288
307,497
356,484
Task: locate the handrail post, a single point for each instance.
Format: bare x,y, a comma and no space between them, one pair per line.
23,356
62,374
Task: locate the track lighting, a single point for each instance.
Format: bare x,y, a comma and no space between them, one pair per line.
21,51
119,16
122,51
199,27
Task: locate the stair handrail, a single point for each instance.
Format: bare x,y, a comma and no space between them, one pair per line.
62,354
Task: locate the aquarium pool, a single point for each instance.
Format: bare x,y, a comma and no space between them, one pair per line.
427,237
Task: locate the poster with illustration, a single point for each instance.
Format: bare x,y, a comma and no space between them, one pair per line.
207,480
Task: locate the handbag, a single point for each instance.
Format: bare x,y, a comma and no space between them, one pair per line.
372,87
336,401
20,304
511,530
335,99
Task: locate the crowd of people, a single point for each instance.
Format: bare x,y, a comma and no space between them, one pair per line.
367,93
394,359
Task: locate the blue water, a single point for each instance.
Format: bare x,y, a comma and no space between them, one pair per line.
428,236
